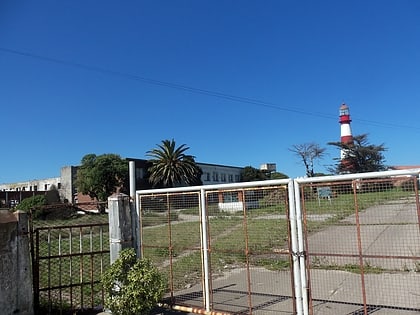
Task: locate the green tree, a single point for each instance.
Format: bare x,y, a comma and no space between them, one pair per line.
250,174
171,166
308,153
100,176
359,156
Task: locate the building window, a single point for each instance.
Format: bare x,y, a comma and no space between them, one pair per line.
230,178
215,176
46,187
35,188
236,178
59,186
223,177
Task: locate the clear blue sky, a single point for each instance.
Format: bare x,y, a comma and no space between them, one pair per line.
239,82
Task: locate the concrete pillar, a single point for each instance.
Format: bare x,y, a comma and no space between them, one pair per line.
16,295
120,225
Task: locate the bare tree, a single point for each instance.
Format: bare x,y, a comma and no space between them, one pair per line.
308,153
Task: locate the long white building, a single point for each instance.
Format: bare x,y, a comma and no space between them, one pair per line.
66,182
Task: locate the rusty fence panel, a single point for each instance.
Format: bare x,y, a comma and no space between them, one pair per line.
224,248
362,244
249,241
67,265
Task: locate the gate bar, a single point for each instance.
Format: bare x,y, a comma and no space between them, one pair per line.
294,241
205,249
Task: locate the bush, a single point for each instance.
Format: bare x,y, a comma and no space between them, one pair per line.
134,286
32,203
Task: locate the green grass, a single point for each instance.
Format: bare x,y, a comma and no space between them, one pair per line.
353,268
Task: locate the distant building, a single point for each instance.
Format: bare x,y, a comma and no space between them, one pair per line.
211,173
66,183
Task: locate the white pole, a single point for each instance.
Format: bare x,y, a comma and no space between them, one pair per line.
132,176
204,247
301,249
293,236
135,218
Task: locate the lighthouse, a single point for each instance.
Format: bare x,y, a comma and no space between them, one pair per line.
346,136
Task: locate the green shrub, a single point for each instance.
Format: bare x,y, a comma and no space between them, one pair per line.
134,286
32,202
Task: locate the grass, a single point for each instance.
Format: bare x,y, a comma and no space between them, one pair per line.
353,268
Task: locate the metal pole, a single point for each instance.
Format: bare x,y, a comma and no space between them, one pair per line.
132,176
301,249
205,250
295,258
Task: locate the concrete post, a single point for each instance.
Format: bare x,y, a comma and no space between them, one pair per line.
120,225
16,296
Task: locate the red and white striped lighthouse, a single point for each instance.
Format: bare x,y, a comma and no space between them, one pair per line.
346,136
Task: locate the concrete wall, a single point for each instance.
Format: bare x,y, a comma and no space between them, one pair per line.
16,295
68,183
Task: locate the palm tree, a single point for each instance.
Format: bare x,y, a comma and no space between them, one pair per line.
171,166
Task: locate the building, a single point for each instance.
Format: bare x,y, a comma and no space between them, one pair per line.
211,173
66,182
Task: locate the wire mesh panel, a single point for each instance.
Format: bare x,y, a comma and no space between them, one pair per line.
223,248
250,250
68,264
362,245
171,238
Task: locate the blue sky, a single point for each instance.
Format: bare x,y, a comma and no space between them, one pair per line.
239,82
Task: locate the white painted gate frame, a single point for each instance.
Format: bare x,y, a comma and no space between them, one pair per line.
295,217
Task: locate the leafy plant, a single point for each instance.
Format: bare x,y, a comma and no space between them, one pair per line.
32,202
134,286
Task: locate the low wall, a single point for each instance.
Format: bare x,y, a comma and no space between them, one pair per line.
16,295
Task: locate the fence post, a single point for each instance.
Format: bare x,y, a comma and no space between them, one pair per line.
301,248
295,249
204,246
120,225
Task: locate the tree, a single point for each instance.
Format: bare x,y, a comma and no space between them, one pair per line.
250,174
100,176
171,166
308,153
359,156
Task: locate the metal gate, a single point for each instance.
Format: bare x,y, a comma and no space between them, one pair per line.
67,263
328,245
364,257
223,248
